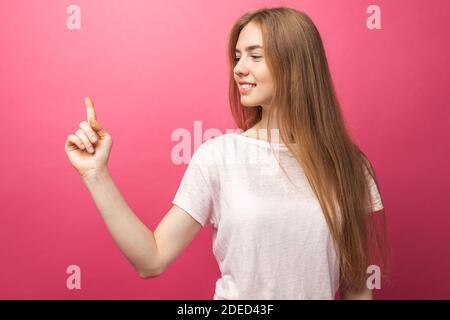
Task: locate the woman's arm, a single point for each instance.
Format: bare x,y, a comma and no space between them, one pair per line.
134,239
149,253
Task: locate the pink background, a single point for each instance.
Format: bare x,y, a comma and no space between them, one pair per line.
152,67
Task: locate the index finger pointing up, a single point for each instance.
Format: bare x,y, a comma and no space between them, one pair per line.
90,110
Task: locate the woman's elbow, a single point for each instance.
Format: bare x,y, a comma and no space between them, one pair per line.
150,273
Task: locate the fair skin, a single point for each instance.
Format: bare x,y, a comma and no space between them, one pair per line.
251,67
88,150
149,252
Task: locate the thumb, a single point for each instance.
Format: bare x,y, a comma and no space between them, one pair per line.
95,125
92,119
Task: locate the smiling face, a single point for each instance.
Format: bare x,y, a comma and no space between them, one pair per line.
251,67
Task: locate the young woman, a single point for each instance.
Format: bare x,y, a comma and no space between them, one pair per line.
294,224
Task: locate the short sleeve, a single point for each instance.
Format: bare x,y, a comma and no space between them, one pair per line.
194,194
376,202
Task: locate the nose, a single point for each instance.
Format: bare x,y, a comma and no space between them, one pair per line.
240,69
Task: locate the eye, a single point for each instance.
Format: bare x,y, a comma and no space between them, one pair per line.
236,59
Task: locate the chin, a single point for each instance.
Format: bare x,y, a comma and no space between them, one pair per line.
249,103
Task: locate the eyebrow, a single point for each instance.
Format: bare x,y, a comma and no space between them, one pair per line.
250,48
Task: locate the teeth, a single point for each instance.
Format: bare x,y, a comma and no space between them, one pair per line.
246,85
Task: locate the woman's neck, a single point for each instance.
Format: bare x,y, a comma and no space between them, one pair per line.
261,129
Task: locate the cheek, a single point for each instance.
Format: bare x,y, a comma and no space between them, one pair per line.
263,77
265,84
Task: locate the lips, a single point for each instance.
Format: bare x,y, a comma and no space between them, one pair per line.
247,85
245,82
245,88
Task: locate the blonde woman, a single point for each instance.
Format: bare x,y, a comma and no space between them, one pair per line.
289,224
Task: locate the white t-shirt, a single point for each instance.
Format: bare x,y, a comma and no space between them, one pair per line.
270,239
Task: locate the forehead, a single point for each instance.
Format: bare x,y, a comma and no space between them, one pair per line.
249,35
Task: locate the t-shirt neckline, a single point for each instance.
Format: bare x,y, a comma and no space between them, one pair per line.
261,142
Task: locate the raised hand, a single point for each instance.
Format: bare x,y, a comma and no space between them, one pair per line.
89,148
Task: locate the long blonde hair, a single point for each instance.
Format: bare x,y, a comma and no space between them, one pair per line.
309,118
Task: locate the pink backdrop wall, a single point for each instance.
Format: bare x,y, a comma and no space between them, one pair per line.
152,67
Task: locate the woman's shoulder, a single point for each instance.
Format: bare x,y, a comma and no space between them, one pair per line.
216,148
218,141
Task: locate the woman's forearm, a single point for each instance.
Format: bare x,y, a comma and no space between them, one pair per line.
134,239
